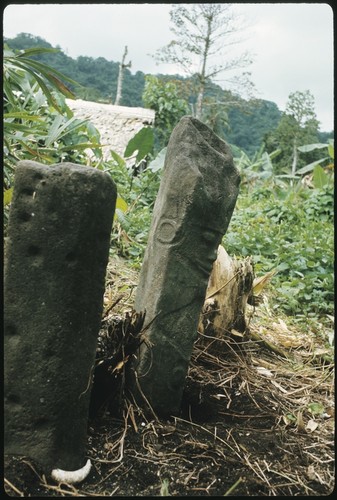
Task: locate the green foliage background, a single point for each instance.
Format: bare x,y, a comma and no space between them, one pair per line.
290,229
248,121
280,221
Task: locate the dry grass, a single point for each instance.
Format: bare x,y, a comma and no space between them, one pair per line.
254,422
298,390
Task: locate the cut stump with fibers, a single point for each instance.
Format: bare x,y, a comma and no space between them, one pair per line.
230,284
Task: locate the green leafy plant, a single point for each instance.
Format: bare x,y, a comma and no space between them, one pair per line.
164,488
284,227
322,169
307,148
288,228
258,168
38,124
136,195
36,117
142,142
17,65
169,108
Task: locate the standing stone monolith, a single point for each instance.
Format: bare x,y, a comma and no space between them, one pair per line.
194,205
56,257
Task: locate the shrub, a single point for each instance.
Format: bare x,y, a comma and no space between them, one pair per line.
291,230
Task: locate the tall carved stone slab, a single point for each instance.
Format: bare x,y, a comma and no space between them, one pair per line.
193,208
57,253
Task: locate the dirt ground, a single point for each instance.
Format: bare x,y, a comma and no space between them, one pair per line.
255,421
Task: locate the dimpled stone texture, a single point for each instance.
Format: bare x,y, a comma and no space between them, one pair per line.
57,252
194,205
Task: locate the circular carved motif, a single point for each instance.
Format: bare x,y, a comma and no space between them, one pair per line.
166,231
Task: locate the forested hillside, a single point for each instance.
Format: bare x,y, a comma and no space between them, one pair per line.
246,122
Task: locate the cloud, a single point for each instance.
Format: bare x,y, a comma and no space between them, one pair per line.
294,47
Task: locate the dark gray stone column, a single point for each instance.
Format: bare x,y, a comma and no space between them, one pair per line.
193,208
57,252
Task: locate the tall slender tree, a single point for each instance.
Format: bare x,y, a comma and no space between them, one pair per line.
204,33
122,67
298,126
301,108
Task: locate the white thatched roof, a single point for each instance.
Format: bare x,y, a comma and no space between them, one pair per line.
116,124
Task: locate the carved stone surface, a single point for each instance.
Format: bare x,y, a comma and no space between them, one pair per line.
57,252
193,208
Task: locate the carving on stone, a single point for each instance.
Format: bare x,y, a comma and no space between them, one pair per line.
193,208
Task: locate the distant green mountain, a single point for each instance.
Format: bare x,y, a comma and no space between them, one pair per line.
248,121
247,128
97,78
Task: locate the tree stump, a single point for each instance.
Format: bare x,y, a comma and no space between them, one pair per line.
230,284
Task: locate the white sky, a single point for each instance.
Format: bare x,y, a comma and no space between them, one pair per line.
292,44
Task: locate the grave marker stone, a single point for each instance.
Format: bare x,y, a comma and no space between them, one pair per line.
57,252
194,205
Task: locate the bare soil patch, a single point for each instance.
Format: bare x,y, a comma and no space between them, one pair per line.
253,422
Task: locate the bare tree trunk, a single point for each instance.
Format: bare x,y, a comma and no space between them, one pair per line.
295,157
198,110
122,66
202,75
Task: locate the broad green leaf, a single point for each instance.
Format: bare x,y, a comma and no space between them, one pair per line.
331,150
118,159
158,162
316,408
44,69
34,151
320,178
141,142
37,50
60,129
27,67
22,116
266,162
17,127
8,92
121,217
311,147
54,130
92,131
283,266
310,166
28,148
287,176
8,193
121,204
71,126
275,153
60,86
